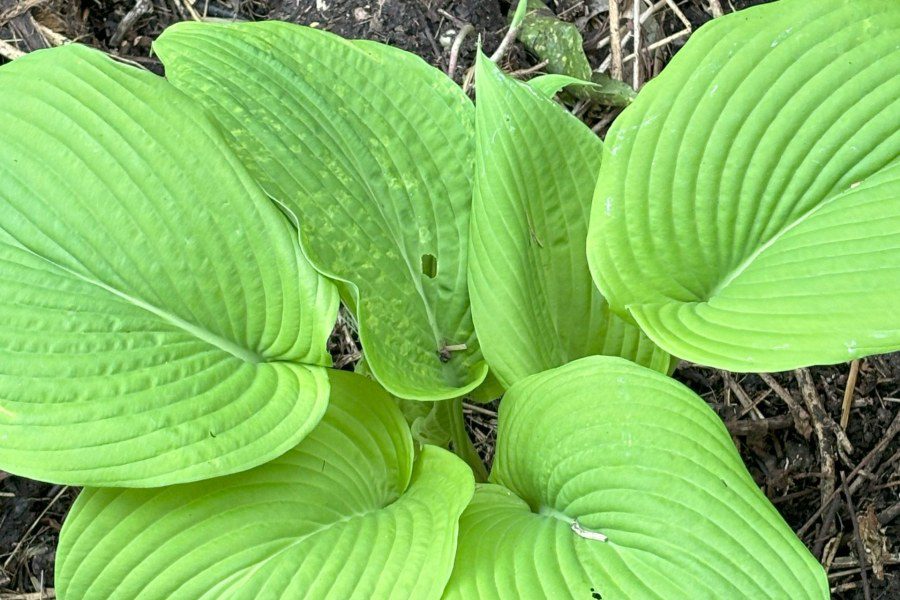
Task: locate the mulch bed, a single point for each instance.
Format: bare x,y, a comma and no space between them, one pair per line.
838,487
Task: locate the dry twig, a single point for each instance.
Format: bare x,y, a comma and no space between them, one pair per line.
860,548
801,417
624,35
47,594
53,38
636,24
848,394
872,457
889,514
684,20
825,532
715,9
660,43
624,38
31,528
615,45
20,8
844,447
530,70
761,426
140,8
848,562
10,52
456,20
823,441
741,395
188,6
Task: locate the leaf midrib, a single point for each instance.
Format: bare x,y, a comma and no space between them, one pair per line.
295,541
748,262
197,331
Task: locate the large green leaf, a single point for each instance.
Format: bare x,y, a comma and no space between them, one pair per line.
346,514
603,447
533,300
748,209
157,320
370,149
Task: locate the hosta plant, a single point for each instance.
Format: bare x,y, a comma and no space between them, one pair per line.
173,252
747,211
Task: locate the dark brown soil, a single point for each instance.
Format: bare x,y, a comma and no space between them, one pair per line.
786,465
781,452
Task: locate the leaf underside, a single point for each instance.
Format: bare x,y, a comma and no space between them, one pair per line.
533,300
747,214
381,192
348,513
631,454
157,321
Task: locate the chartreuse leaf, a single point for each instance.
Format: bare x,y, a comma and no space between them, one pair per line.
747,213
604,447
534,303
158,323
347,513
443,424
490,389
429,422
370,149
518,16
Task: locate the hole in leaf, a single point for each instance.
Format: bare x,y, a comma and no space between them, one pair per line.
429,265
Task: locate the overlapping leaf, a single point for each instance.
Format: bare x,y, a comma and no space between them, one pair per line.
559,44
157,321
429,422
371,150
747,214
534,303
346,514
603,447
